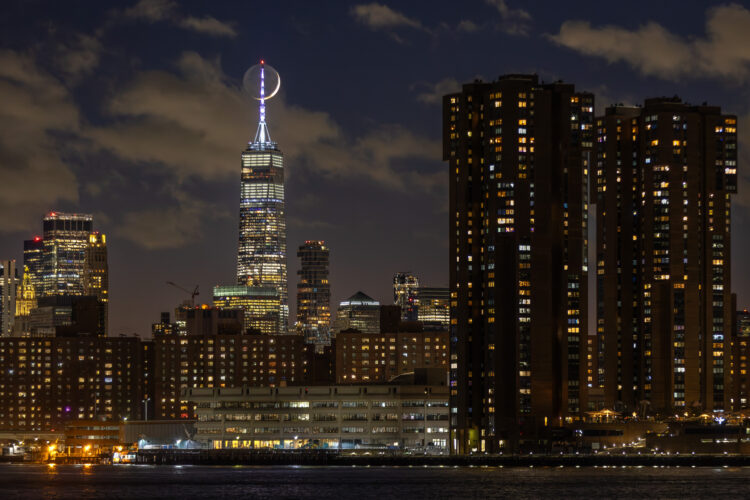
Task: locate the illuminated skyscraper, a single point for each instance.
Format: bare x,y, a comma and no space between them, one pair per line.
66,237
314,293
96,273
519,154
433,310
405,290
25,303
261,260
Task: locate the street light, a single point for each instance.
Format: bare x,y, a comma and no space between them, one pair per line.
145,408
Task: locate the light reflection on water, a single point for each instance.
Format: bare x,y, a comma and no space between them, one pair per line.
185,482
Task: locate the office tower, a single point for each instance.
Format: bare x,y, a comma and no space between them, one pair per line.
261,260
359,312
8,288
260,305
66,237
519,154
433,308
664,176
405,290
314,293
96,274
33,251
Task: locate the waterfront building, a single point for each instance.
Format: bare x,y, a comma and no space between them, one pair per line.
66,237
378,357
46,382
406,294
220,360
314,293
359,312
393,416
665,172
261,306
433,308
33,251
261,260
8,289
519,154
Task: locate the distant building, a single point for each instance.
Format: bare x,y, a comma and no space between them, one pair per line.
261,260
665,174
46,382
8,288
519,154
67,316
433,308
33,252
405,294
314,293
393,416
224,361
740,368
378,357
66,238
261,306
96,273
359,312
26,301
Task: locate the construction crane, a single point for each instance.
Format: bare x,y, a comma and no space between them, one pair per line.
192,294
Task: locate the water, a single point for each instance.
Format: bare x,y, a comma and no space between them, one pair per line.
184,482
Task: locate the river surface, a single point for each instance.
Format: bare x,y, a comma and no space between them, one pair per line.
185,482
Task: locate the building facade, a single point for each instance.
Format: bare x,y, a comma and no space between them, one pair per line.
261,306
8,290
314,293
406,294
261,260
434,308
33,251
365,358
359,312
518,153
405,417
664,176
96,274
66,238
46,382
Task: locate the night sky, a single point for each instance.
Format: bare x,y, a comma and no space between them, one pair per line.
133,111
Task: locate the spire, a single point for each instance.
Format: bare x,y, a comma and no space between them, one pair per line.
262,136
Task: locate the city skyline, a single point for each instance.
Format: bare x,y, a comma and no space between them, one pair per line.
191,240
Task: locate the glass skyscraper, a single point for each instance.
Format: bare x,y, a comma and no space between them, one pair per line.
261,260
66,238
314,293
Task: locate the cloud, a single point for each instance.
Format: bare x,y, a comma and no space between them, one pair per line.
78,58
168,10
37,109
381,17
433,92
514,21
467,26
724,52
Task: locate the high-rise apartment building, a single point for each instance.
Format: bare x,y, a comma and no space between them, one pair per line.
8,289
433,309
66,238
314,293
96,273
519,153
359,312
261,260
405,294
664,176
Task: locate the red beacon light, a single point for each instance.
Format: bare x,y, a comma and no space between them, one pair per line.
262,61
37,238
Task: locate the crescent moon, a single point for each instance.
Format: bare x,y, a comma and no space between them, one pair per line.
275,91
